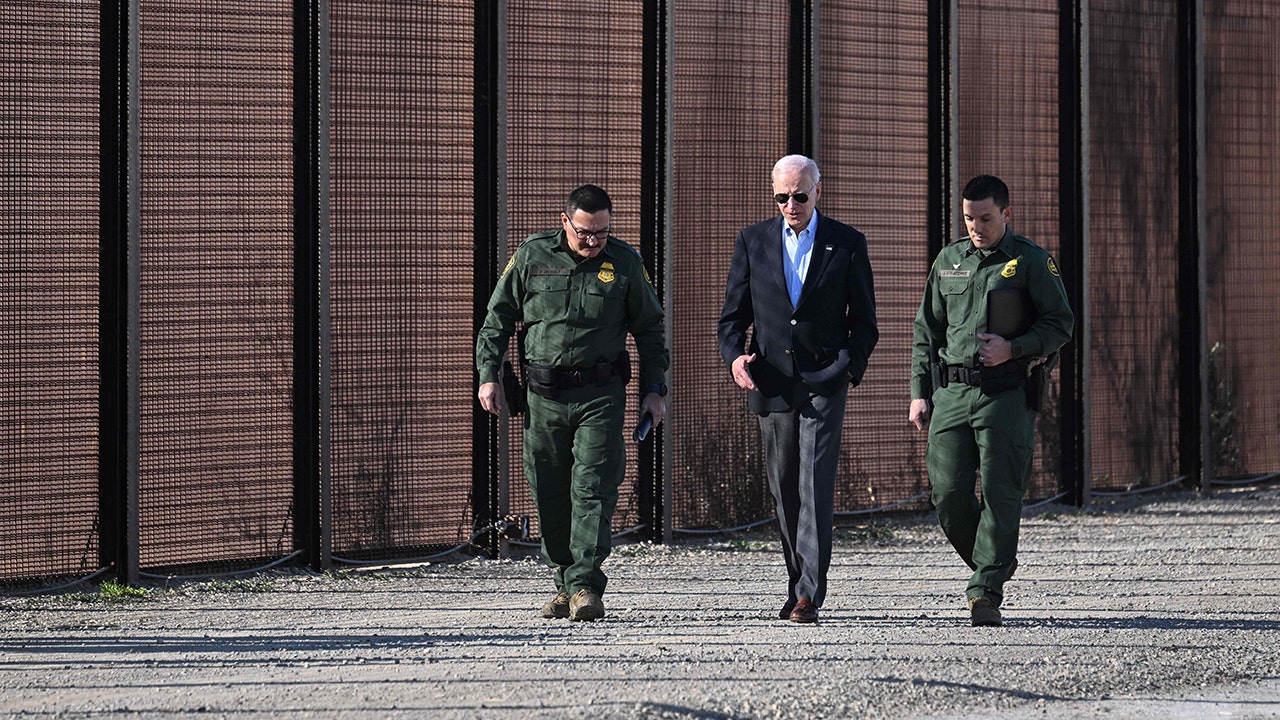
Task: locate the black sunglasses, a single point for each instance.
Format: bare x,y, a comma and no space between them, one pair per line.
782,198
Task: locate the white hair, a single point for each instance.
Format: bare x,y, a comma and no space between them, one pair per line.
805,165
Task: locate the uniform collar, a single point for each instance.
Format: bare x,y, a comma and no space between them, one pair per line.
1001,247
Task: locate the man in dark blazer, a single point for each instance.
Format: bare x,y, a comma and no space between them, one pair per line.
801,283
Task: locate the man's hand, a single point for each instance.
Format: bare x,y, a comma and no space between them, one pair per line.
741,374
655,406
919,414
490,396
994,349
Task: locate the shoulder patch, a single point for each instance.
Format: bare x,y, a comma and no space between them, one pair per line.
1053,267
507,269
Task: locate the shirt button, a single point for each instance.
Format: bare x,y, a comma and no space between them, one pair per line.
793,322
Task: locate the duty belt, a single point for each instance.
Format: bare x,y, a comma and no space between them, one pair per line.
966,375
568,377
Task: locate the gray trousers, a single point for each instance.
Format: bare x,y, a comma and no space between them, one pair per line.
801,453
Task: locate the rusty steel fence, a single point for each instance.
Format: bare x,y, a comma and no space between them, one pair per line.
245,246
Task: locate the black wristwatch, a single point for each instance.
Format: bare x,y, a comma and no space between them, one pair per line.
660,389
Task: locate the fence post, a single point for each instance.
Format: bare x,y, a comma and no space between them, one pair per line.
311,346
1193,361
802,85
654,496
488,458
940,222
1073,220
119,320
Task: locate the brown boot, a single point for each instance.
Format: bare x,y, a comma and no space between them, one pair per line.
983,612
557,607
585,605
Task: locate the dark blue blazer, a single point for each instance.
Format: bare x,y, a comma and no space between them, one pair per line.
821,346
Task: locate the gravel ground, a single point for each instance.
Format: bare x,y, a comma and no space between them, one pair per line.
1156,607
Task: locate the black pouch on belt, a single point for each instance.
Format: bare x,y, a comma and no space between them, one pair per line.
1002,378
542,381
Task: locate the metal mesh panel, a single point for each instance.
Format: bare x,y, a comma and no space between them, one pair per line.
1133,248
216,281
401,226
48,288
873,148
573,117
730,124
1242,183
1007,126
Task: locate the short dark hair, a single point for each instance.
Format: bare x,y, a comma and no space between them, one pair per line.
588,198
987,186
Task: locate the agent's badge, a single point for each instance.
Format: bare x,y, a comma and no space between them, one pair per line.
1010,268
606,272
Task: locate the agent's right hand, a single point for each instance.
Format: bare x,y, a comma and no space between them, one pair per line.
741,374
490,396
919,414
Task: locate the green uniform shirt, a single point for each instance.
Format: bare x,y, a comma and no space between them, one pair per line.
576,310
954,308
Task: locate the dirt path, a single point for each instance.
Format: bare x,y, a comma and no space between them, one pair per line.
1169,608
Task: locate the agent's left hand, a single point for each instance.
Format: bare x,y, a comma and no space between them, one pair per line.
655,405
994,349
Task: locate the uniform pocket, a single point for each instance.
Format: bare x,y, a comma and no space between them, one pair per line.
606,301
548,296
955,294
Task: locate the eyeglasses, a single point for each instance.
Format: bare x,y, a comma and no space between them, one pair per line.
584,234
782,198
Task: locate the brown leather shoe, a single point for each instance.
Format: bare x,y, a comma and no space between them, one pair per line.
804,612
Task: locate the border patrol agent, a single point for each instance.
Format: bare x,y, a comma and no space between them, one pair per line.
985,387
578,291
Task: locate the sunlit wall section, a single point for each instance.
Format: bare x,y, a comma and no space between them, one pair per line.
573,116
1242,194
401,232
1133,262
216,248
1007,126
873,152
730,126
48,288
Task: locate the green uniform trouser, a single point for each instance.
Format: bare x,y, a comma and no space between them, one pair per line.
574,459
970,435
